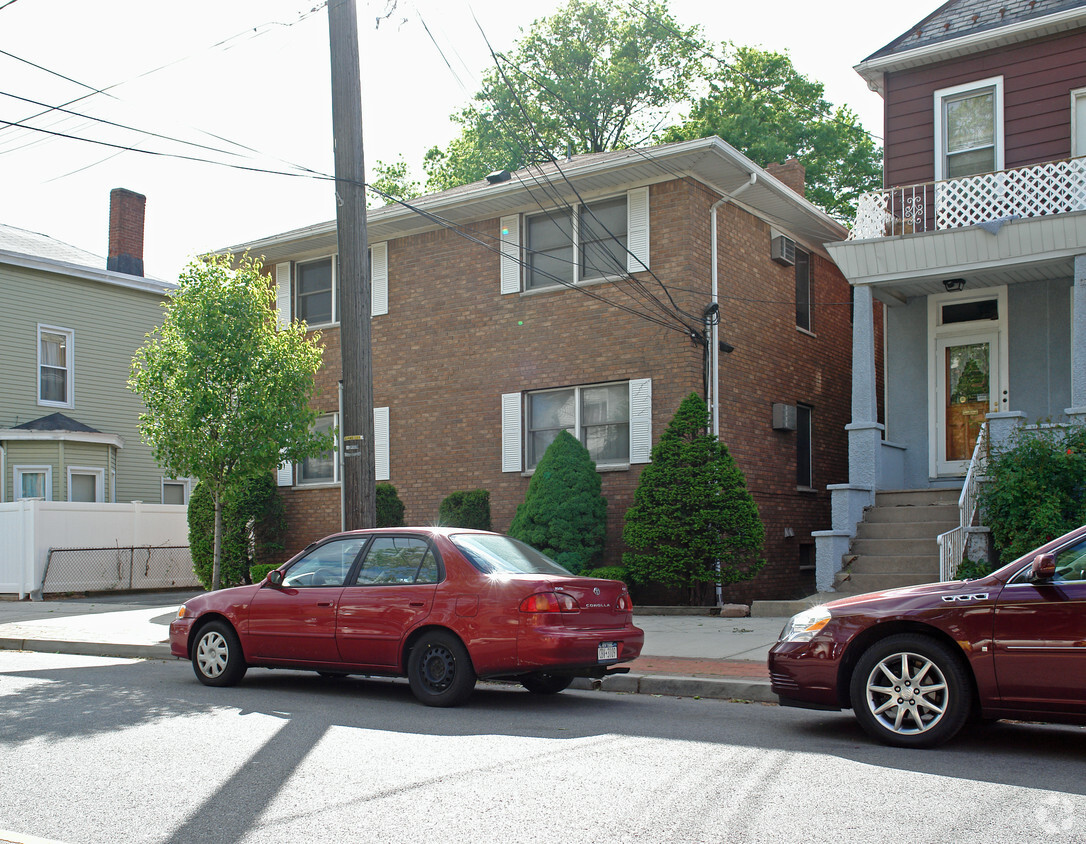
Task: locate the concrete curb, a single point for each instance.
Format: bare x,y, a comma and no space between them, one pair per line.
726,688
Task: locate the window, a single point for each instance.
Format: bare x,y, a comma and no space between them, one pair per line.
85,484
33,482
969,129
804,292
598,241
175,491
55,350
315,296
398,560
1078,122
323,468
599,416
326,565
804,447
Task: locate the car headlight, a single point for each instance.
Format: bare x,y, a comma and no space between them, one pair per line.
184,612
803,626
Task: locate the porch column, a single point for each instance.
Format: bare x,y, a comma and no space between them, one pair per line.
1077,410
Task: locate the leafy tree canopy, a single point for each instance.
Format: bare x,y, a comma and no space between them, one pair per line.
227,391
760,104
391,180
597,75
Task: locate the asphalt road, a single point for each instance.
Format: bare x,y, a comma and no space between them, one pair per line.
106,750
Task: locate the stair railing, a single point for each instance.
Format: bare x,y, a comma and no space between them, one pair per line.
952,543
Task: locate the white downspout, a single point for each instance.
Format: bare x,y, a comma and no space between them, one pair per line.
714,334
338,460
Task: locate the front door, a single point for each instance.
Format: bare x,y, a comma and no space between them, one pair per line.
967,390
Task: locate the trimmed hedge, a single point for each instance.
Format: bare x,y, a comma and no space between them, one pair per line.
466,509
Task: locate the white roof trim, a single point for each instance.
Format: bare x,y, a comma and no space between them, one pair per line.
131,282
24,435
873,69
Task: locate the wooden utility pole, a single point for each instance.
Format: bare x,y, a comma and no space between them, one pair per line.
356,424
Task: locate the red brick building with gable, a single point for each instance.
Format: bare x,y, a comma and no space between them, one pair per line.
573,296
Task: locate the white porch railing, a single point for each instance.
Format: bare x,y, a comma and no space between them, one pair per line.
952,543
1055,187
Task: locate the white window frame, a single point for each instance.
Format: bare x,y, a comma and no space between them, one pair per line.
17,473
336,457
1078,122
69,366
294,310
184,483
943,96
99,481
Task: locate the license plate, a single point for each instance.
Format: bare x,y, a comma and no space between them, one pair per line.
607,650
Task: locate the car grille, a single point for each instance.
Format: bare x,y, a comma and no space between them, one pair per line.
782,681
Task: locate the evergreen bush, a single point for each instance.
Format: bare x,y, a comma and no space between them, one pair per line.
390,508
1035,489
469,508
692,511
564,513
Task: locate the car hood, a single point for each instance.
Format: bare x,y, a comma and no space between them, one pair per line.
911,597
223,598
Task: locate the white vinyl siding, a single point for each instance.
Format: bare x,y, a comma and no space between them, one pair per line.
379,279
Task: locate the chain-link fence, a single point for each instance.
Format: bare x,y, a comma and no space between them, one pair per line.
118,569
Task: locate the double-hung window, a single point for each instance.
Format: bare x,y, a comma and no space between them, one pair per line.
804,292
324,467
599,416
315,292
969,129
55,366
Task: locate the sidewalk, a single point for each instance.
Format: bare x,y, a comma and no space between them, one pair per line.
686,656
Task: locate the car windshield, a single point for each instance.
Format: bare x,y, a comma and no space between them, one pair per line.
491,553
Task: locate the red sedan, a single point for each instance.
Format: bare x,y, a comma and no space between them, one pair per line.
915,664
441,606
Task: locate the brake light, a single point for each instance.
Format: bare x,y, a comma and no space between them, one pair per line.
624,603
549,602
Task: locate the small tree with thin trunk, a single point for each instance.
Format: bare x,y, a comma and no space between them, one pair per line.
227,390
693,521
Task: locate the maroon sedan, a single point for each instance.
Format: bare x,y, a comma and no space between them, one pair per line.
914,664
441,606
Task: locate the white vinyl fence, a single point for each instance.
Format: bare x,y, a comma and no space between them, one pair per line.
30,530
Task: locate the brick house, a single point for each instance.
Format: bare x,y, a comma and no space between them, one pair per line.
977,246
572,296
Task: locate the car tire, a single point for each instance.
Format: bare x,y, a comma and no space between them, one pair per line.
216,655
545,684
910,690
439,670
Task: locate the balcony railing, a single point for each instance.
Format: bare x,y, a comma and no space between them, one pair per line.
1055,187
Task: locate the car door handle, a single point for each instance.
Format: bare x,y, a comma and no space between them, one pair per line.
325,604
417,604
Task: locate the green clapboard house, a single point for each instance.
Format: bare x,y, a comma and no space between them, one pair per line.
70,322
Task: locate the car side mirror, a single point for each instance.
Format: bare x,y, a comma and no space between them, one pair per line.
1044,568
275,578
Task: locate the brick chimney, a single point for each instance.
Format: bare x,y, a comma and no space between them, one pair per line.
126,211
792,173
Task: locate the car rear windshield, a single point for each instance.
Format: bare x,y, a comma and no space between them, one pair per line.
491,554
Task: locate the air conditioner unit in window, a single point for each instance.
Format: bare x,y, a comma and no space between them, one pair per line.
783,250
784,417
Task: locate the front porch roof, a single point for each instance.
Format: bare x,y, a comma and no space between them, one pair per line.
1029,249
58,427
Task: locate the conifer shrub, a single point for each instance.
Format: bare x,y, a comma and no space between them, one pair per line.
692,511
469,508
564,513
390,508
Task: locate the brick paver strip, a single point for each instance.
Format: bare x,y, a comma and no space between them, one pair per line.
687,666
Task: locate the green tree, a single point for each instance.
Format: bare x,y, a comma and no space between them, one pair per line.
564,513
468,508
761,105
692,511
597,75
391,180
390,508
1035,489
227,391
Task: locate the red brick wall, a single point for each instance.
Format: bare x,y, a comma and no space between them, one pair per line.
451,345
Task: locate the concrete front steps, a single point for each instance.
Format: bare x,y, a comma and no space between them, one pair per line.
894,546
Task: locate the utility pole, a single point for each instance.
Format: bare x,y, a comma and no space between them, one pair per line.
356,422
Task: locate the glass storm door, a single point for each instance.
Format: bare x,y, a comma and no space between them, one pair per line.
968,388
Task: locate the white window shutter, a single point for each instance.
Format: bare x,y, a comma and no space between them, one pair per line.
381,465
282,293
379,279
512,451
641,420
637,228
284,476
510,243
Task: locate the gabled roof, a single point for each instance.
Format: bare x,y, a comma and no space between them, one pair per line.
708,160
961,27
56,422
32,250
